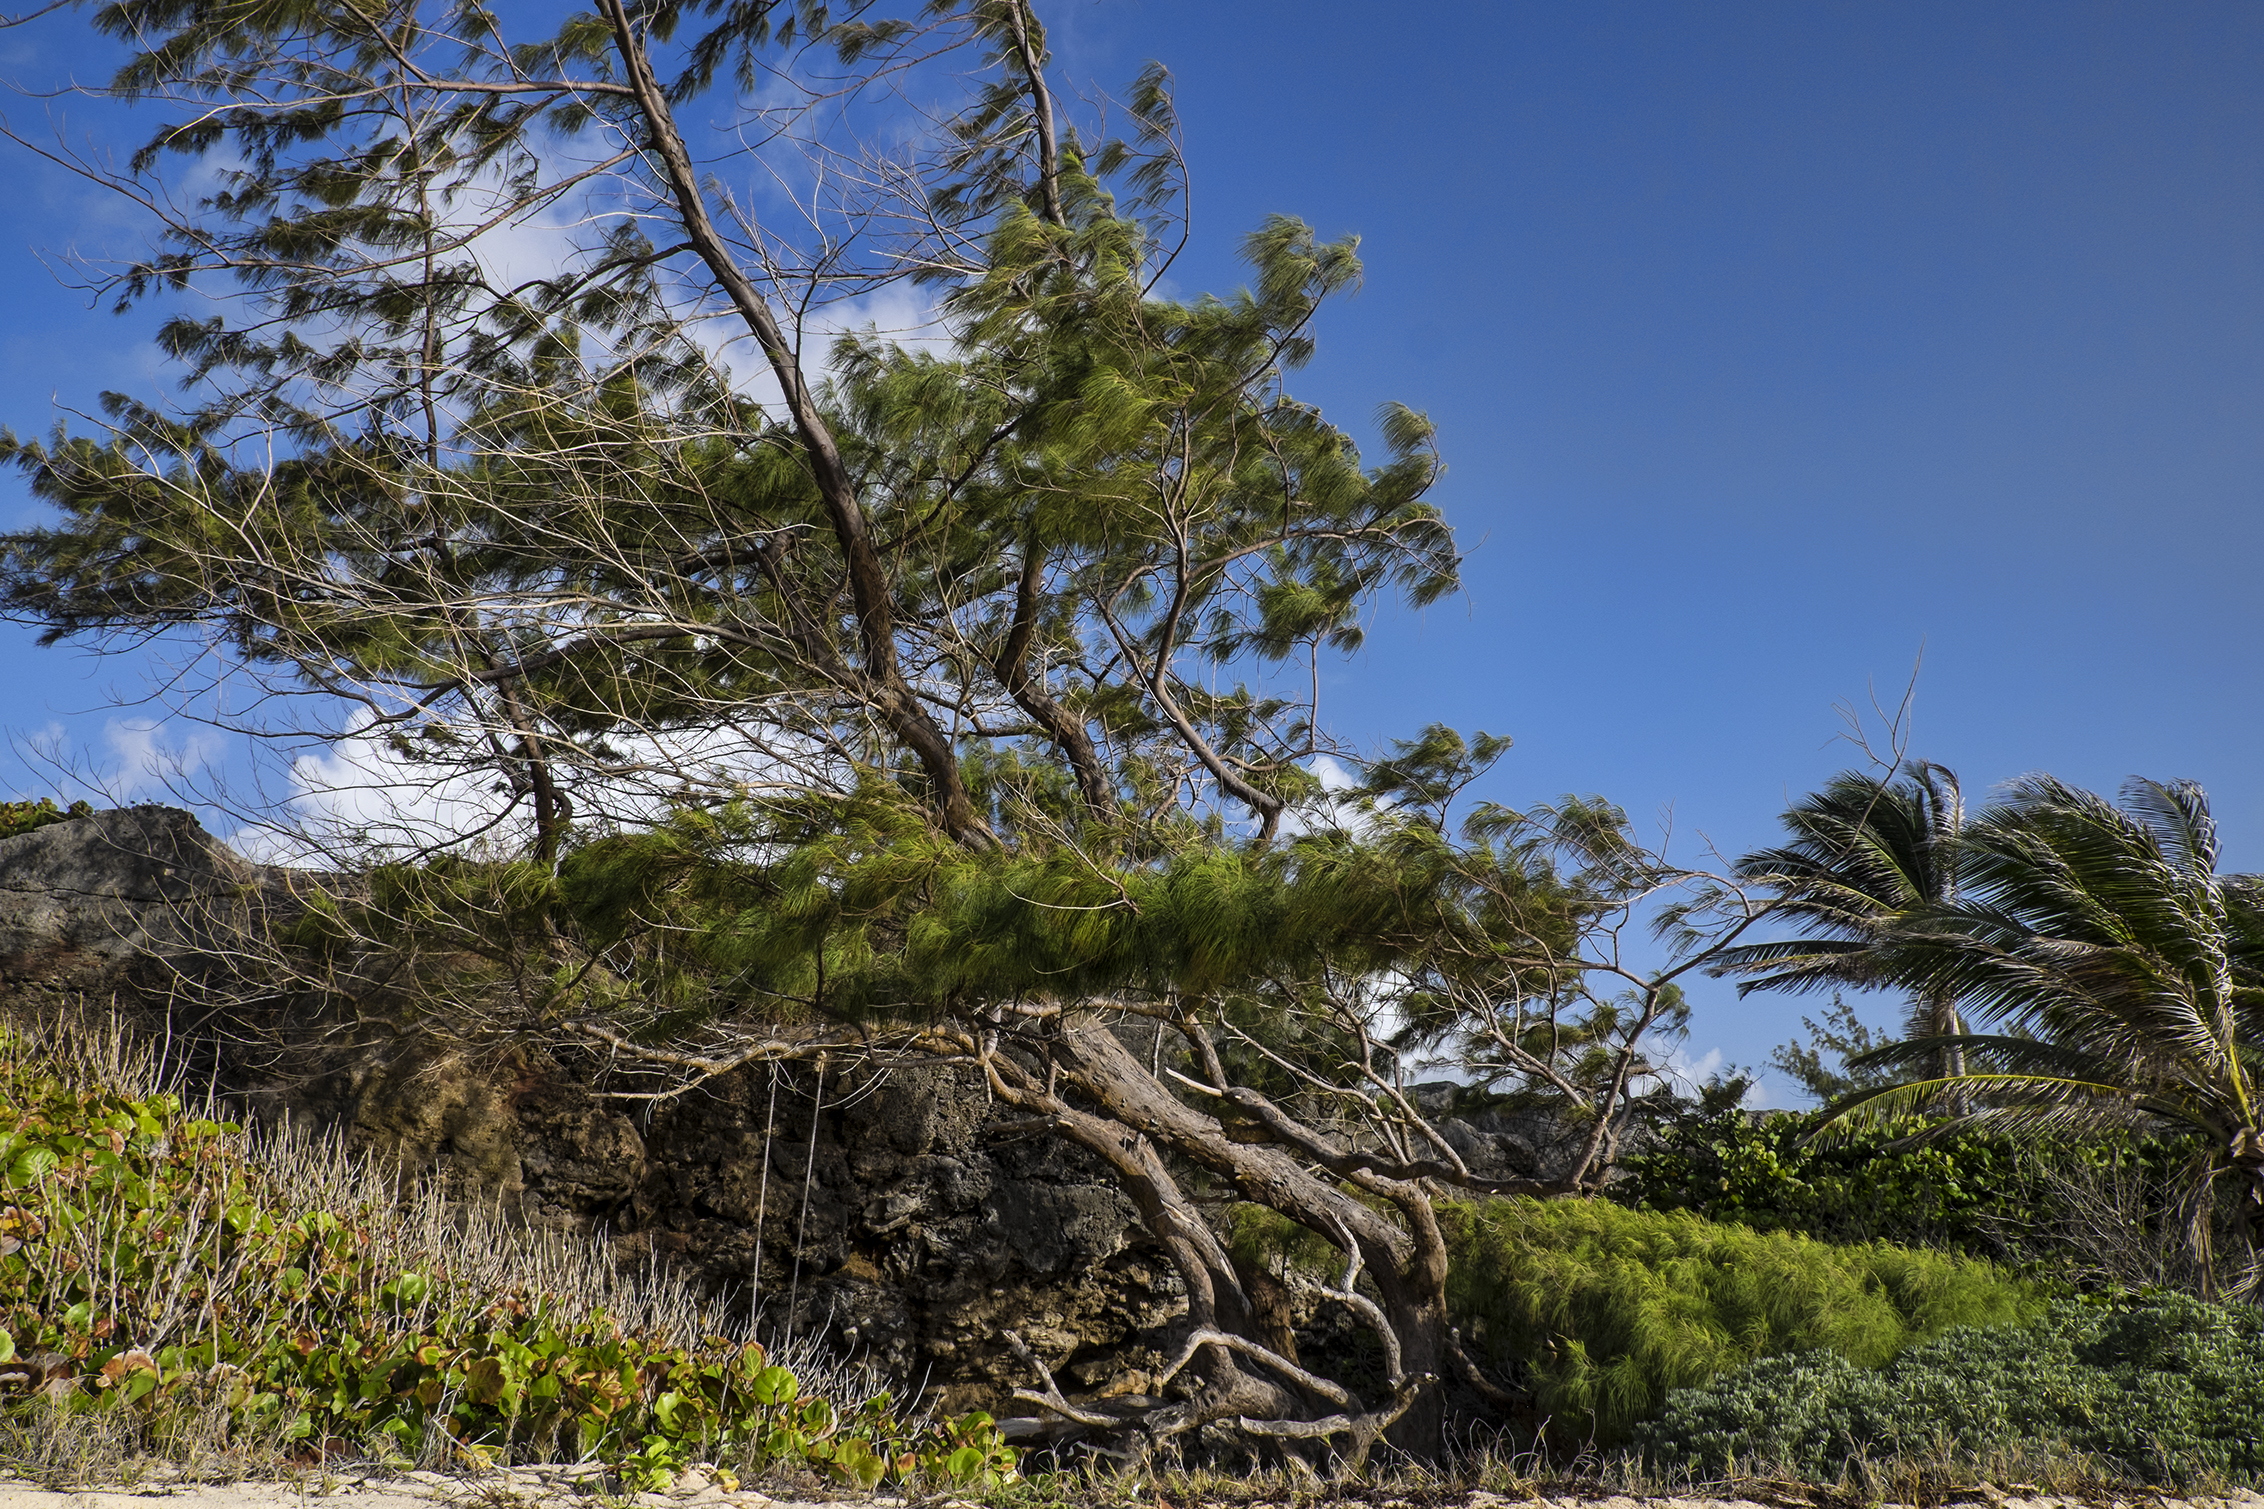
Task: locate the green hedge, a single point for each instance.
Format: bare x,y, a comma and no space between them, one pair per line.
1607,1309
1982,1193
2166,1390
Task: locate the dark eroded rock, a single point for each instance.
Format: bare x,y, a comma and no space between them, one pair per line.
885,1210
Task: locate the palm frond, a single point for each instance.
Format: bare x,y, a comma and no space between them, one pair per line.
2012,1055
2030,1103
2121,978
2177,813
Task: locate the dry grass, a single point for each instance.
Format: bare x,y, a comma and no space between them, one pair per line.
198,1440
423,1228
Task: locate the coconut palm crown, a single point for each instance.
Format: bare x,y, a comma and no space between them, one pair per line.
1863,858
2122,974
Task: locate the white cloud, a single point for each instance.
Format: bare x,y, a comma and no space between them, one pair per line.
1690,1072
897,313
360,792
356,792
150,757
1333,773
1331,810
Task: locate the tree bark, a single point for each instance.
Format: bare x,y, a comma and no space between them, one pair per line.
1061,726
1407,1266
887,692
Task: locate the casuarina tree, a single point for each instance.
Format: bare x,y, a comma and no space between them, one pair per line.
941,697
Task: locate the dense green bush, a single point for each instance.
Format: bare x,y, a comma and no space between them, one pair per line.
1726,1165
2030,1202
164,1263
1606,1309
2162,1390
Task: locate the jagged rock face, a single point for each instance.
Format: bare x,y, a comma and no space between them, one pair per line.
903,1229
887,1210
921,1237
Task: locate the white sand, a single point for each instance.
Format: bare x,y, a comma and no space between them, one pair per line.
417,1490
534,1488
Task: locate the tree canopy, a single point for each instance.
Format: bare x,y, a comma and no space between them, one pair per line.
534,529
947,696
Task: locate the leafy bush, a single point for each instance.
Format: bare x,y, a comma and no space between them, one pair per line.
25,816
2097,1210
1727,1166
1606,1309
168,1264
2165,1389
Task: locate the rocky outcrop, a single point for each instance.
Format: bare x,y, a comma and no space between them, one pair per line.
920,1234
884,1210
108,901
892,1210
887,1209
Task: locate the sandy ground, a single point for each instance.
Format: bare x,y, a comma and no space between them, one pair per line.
534,1488
526,1488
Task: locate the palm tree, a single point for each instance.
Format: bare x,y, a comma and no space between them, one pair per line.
1864,857
2124,976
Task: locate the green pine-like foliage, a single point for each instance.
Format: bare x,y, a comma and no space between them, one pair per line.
1607,1309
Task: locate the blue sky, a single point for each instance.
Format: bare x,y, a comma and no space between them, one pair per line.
1767,343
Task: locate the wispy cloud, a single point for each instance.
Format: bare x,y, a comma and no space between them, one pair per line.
149,756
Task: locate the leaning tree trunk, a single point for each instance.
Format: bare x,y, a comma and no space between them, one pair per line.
2245,1152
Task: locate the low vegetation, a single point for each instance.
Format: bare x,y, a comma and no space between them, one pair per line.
2165,1389
2075,1211
28,816
206,1295
1606,1309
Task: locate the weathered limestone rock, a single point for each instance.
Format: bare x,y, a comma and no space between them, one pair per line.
920,1237
87,903
882,1209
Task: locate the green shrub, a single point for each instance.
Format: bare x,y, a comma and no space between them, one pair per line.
2041,1205
1606,1309
25,816
2166,1389
1866,1186
167,1264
